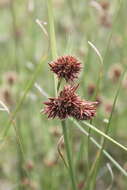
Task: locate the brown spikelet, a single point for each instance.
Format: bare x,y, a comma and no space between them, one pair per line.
10,77
104,4
67,67
29,165
6,96
91,89
62,106
70,104
115,72
5,3
105,20
85,110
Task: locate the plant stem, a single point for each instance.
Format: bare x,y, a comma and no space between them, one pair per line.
57,86
88,149
14,28
116,164
19,104
96,165
105,135
52,36
68,152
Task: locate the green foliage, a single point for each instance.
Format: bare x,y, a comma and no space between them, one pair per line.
28,140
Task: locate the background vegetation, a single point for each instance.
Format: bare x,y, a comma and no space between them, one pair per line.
29,157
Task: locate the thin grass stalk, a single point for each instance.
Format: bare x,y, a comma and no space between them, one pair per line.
27,88
32,136
105,54
96,165
67,147
57,86
20,152
111,32
116,164
14,28
71,8
80,152
68,152
88,149
52,37
104,135
98,88
23,172
89,129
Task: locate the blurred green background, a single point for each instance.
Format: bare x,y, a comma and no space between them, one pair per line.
28,146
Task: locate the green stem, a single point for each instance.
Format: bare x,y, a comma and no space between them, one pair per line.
58,85
116,164
70,4
107,49
96,165
19,104
14,28
68,152
88,149
52,36
94,98
105,135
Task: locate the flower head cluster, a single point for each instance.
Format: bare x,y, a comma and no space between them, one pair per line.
68,103
67,67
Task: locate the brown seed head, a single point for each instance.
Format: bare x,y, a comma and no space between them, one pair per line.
62,106
6,96
124,83
108,107
70,104
81,184
50,163
105,20
18,33
10,77
115,72
91,89
55,132
81,167
25,181
5,3
85,110
67,67
104,4
30,165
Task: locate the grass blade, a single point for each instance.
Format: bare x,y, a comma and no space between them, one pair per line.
28,87
116,164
